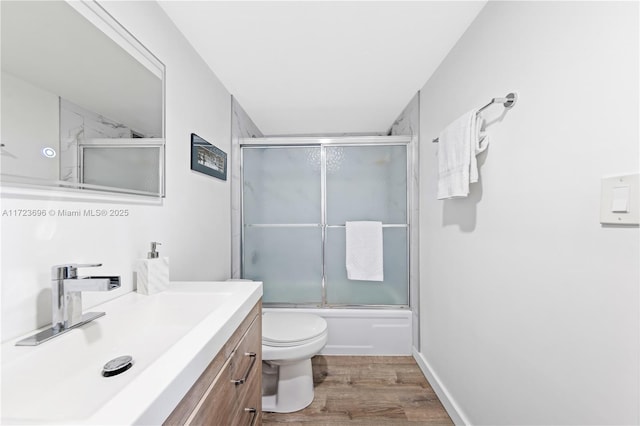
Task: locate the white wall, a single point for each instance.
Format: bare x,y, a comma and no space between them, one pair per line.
193,222
529,307
198,205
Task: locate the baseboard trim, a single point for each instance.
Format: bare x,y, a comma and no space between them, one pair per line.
445,397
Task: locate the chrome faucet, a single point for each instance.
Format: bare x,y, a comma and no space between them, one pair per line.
66,300
66,293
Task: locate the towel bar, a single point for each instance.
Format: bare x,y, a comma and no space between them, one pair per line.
508,102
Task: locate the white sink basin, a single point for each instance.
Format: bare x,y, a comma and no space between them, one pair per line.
172,336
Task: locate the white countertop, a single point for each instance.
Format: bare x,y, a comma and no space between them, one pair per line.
172,336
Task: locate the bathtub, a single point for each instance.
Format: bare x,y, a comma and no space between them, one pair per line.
363,331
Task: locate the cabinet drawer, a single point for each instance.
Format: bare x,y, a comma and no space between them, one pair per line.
231,399
246,359
249,411
248,373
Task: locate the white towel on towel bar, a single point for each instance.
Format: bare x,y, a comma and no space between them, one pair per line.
458,145
364,257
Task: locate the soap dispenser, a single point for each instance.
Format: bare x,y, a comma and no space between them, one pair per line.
153,272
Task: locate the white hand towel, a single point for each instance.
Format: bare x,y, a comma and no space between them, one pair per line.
364,251
458,145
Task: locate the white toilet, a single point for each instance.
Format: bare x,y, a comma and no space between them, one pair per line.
289,340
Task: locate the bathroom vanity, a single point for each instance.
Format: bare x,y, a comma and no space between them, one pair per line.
229,391
187,344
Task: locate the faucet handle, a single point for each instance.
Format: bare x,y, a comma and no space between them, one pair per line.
69,270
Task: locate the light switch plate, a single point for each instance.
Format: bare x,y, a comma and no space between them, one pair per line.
614,189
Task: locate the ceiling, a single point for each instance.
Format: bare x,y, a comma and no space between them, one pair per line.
323,67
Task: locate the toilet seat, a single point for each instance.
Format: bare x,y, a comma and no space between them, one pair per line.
291,329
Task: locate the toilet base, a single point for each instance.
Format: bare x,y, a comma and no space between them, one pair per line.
294,389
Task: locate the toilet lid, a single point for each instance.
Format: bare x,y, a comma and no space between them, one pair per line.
285,327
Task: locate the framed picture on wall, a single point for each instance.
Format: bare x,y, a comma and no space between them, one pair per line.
208,159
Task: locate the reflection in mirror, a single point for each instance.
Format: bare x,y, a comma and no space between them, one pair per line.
82,100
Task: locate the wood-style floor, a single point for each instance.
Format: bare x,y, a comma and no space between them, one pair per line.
367,390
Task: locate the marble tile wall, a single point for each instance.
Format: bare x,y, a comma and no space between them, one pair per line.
408,123
77,123
241,127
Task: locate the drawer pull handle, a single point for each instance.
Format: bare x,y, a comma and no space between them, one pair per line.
252,355
254,413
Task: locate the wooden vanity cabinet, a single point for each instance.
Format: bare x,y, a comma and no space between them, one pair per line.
229,392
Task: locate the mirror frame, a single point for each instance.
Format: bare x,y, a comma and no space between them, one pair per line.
112,28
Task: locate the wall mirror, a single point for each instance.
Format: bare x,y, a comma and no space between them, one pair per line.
82,101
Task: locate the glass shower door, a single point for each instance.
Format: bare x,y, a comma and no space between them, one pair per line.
296,200
282,222
367,183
